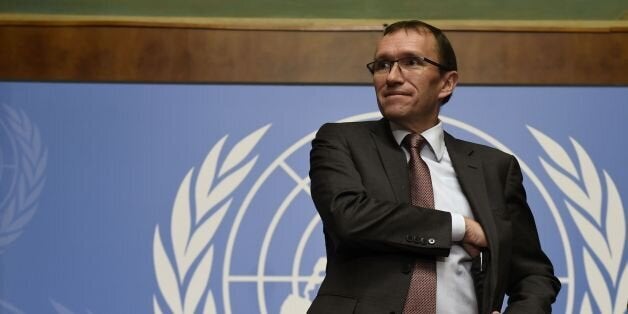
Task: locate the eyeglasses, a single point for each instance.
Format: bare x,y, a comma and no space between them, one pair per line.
406,63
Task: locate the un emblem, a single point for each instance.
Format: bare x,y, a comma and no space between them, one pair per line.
274,258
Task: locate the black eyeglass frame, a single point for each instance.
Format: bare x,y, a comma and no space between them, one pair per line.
370,65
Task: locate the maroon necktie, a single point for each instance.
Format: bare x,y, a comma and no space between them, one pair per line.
421,297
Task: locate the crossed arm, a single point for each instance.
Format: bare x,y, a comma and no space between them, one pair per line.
349,190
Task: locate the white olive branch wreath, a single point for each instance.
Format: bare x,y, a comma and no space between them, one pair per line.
199,207
598,213
21,203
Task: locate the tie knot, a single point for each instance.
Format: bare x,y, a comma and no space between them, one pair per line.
413,140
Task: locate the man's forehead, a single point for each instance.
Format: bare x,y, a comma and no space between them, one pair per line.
407,42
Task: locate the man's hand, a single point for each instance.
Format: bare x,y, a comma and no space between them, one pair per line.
474,238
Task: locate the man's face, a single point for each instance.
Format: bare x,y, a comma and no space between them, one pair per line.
411,98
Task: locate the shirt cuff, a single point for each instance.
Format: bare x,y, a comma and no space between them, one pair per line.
457,227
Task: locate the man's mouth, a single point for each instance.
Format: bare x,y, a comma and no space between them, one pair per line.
395,93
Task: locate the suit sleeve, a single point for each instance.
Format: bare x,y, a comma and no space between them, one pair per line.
532,286
353,219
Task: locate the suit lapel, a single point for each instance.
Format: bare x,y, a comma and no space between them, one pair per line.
393,160
470,173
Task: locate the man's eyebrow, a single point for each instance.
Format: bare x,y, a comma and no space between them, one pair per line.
402,55
380,56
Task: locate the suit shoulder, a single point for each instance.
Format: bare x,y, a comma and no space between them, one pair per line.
486,150
347,128
350,125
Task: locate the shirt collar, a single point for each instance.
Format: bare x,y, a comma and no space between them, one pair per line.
435,137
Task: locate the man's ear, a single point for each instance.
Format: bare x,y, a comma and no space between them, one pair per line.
450,80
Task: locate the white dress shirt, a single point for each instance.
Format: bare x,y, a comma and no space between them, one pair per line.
455,292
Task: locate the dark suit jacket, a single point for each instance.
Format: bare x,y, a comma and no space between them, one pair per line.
373,235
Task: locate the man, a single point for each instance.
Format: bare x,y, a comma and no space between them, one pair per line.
416,221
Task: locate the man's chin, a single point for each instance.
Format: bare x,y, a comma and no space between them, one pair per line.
393,115
390,109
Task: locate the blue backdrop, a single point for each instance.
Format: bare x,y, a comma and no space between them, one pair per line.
133,198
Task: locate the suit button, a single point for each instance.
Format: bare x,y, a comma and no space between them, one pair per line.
406,268
409,238
431,241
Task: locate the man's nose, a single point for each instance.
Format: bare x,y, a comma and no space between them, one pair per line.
394,76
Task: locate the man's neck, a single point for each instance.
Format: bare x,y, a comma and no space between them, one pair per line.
417,127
